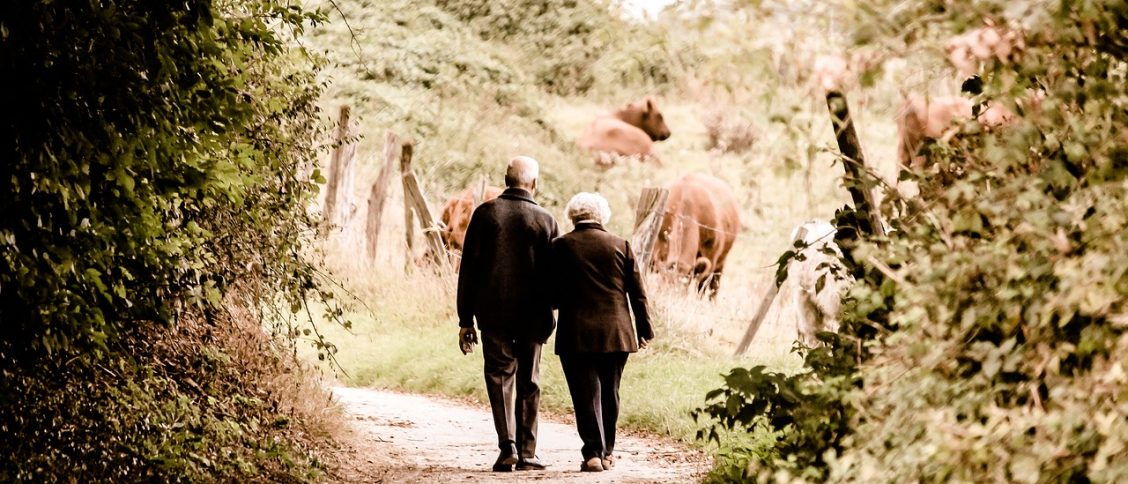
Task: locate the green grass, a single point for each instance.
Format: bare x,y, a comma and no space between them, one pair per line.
406,339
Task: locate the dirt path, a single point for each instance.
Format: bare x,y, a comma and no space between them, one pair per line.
411,438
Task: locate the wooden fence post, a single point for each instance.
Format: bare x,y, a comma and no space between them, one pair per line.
415,202
854,162
340,163
648,221
379,192
408,220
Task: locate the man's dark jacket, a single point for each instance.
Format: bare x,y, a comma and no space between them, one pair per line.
505,262
595,276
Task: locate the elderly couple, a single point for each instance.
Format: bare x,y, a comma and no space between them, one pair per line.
515,270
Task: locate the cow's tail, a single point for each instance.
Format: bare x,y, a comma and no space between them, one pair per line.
703,267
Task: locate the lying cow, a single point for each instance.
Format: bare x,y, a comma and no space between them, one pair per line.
817,304
698,230
630,131
456,217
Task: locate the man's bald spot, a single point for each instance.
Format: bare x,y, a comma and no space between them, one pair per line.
522,172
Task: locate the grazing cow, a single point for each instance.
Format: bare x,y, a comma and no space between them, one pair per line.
938,118
817,303
456,217
630,131
698,229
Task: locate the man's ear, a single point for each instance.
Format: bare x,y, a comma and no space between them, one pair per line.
535,180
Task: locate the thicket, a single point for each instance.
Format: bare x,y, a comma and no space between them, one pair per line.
156,178
986,337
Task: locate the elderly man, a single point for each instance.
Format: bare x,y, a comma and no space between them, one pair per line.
598,285
503,284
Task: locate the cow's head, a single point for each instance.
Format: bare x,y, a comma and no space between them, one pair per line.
660,260
455,219
668,260
453,223
452,227
646,116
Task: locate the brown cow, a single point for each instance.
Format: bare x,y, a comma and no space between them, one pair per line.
698,229
630,131
456,217
923,118
938,118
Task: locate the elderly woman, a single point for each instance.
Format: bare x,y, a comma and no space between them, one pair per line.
598,285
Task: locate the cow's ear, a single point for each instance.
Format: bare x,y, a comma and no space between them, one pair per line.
650,108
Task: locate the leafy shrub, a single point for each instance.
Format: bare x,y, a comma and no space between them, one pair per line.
195,403
158,167
988,331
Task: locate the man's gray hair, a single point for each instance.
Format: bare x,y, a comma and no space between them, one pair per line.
521,171
588,207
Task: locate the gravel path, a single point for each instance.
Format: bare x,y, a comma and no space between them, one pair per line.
399,437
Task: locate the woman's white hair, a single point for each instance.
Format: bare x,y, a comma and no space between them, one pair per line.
588,207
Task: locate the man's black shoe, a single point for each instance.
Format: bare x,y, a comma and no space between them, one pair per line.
506,459
531,464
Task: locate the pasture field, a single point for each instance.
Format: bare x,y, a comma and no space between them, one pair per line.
403,316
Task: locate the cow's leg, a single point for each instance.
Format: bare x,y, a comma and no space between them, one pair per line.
714,284
689,262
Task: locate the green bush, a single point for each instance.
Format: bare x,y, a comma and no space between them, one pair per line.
988,330
155,171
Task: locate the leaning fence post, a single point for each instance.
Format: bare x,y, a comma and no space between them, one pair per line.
415,201
648,221
853,161
765,303
379,192
758,317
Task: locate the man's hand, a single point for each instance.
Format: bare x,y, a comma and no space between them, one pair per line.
643,343
467,338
